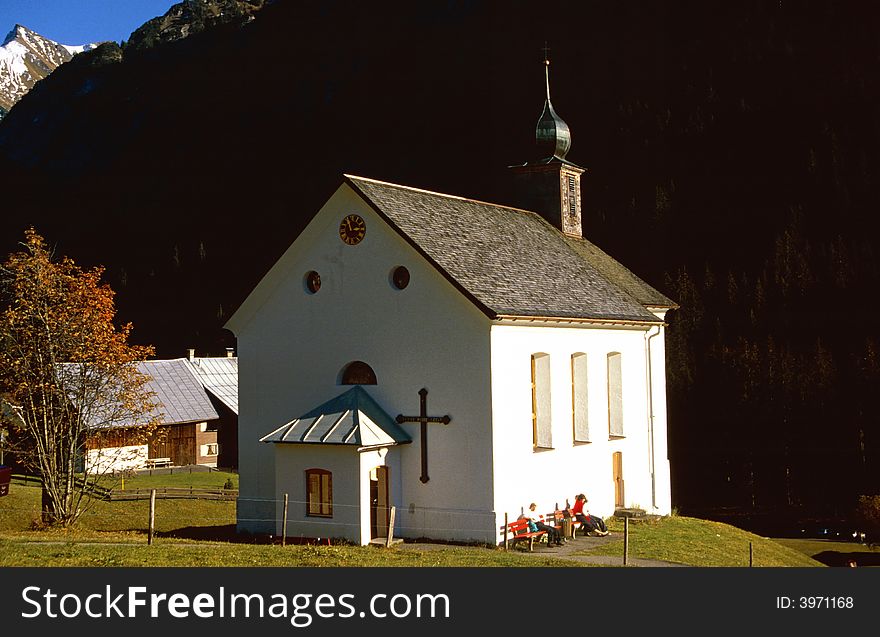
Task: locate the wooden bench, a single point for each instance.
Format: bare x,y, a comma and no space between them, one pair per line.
152,463
558,517
519,531
575,524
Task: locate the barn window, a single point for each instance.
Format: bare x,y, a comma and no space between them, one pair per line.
579,414
319,493
541,437
615,396
358,373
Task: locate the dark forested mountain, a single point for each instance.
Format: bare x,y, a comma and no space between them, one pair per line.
732,156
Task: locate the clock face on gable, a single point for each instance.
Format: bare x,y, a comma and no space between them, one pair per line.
352,229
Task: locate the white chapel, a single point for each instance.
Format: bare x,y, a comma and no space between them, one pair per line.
452,359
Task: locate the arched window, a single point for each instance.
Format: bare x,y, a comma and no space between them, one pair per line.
615,396
579,415
541,437
357,373
319,493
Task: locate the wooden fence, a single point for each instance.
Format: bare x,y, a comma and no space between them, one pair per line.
172,493
162,493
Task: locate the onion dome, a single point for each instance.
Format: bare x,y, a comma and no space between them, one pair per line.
552,134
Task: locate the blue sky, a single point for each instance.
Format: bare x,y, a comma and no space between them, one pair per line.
77,22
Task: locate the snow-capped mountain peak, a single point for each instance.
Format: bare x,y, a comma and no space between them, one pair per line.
26,57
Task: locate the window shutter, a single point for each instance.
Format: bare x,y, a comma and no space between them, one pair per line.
615,395
541,401
579,398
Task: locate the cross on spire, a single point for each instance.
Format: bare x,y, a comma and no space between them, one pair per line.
546,51
423,418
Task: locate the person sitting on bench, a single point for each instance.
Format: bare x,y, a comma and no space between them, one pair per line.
554,536
588,522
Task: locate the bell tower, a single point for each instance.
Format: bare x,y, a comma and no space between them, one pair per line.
551,185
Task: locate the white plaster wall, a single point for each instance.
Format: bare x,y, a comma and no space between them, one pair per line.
292,346
291,462
110,459
548,477
255,508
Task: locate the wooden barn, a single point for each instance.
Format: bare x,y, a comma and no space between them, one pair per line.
187,433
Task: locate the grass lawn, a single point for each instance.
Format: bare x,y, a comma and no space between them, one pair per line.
181,478
175,553
202,533
700,543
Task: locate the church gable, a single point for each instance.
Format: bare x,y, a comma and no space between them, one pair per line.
348,258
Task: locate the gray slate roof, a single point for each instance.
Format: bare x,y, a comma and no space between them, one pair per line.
352,418
510,261
219,376
619,275
180,397
177,396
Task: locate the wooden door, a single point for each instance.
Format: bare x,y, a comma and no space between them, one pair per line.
379,503
617,463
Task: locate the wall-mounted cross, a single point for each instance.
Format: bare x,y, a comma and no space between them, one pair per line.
424,419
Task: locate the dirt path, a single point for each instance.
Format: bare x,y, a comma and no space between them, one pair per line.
569,552
580,543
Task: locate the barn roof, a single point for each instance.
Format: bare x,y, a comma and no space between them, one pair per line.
219,376
179,397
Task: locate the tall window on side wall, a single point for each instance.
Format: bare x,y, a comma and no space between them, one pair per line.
541,437
579,401
319,493
615,396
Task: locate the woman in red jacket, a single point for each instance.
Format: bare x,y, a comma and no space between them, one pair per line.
588,522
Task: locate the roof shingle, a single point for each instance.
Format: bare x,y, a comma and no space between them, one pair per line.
511,261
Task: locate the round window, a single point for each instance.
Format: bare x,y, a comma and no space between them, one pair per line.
400,277
313,281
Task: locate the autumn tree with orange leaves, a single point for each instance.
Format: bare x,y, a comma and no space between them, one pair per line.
67,373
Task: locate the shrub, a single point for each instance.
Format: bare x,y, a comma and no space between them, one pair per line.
868,515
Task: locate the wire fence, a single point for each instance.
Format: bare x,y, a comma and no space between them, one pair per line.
235,518
129,510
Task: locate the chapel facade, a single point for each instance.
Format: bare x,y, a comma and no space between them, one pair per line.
452,359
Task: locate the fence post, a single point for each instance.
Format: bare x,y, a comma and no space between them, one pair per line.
152,516
505,530
284,523
625,541
390,528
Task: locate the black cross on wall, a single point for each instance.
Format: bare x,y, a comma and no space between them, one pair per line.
424,419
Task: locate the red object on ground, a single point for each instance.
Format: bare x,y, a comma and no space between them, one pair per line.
5,479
